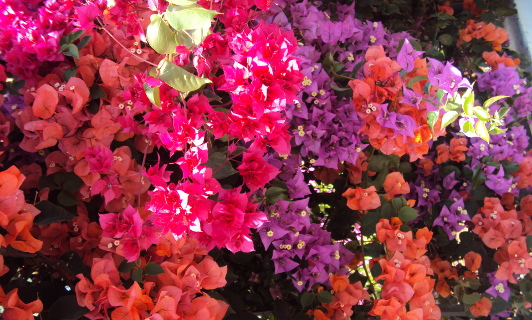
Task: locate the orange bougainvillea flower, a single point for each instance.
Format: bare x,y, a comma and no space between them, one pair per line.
319,315
15,309
10,180
493,59
339,283
446,8
457,149
472,260
395,184
442,152
471,6
362,199
46,100
481,308
19,236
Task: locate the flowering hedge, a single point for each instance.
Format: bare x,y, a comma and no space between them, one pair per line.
252,159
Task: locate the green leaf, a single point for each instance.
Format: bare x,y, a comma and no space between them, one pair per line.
63,42
69,181
502,112
482,131
199,35
69,73
125,266
306,299
529,242
492,100
416,79
84,41
368,222
153,269
136,275
446,39
189,17
220,166
481,113
378,162
324,296
72,51
66,308
374,250
178,78
440,94
469,103
67,198
51,213
407,214
376,270
159,35
415,45
47,182
470,299
274,193
73,36
97,92
448,118
432,117
153,94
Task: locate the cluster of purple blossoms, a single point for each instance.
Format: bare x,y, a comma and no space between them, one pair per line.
318,118
452,219
301,245
504,81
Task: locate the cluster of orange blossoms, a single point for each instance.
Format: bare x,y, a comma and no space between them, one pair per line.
346,295
406,273
382,89
493,59
480,30
174,294
16,217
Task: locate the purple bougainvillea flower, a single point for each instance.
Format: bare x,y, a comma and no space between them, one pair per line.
499,288
497,182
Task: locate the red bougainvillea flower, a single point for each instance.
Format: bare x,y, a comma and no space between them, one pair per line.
395,184
362,199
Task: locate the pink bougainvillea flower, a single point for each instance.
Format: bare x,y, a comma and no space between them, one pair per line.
255,171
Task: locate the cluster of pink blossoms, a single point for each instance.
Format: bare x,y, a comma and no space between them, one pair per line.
261,76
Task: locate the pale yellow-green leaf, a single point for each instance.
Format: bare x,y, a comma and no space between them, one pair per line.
448,118
178,78
189,18
153,95
469,103
492,100
482,131
481,113
160,37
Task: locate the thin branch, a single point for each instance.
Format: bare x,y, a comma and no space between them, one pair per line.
366,268
142,167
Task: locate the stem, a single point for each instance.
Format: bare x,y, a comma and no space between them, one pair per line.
134,55
57,268
342,76
366,268
142,168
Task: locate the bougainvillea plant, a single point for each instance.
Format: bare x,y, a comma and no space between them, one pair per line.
253,159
